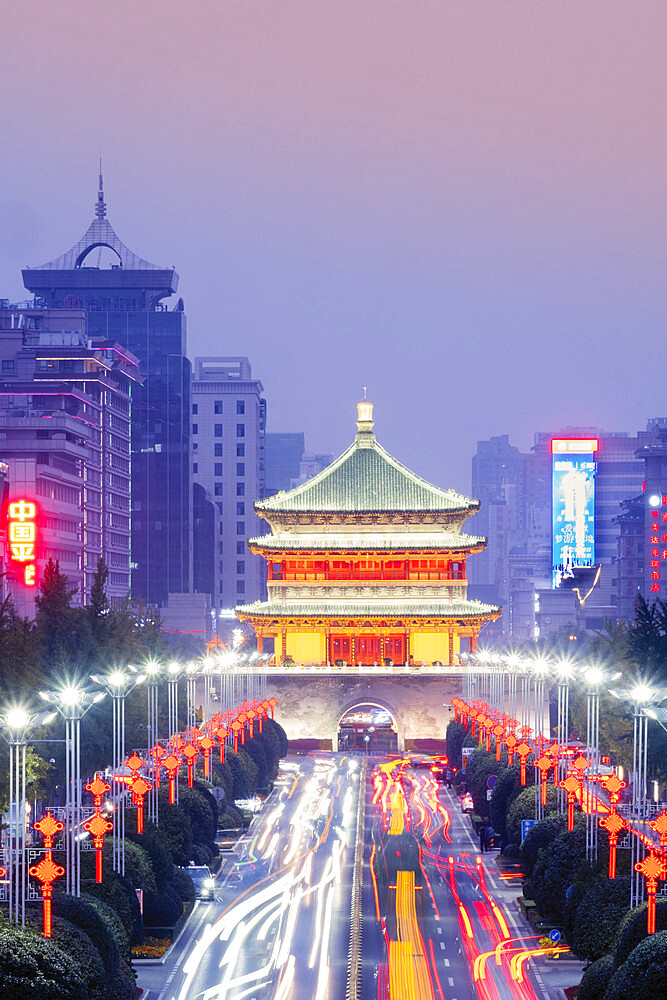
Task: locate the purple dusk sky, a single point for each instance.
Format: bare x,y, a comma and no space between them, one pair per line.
459,204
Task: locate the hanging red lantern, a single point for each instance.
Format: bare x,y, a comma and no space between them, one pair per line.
653,867
47,871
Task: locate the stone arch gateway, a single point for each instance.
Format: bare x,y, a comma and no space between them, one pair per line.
312,703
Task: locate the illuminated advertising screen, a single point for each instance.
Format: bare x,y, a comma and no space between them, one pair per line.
572,506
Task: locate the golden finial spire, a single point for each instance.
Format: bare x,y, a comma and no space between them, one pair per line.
365,416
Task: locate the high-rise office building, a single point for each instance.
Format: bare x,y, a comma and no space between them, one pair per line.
524,571
282,460
123,297
228,428
65,403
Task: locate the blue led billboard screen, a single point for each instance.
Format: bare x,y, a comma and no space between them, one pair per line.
573,507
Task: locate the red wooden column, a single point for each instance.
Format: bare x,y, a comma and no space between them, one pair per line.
473,643
260,642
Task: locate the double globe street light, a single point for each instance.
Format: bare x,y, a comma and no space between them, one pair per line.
72,701
17,725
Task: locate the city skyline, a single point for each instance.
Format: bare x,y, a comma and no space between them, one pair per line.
480,203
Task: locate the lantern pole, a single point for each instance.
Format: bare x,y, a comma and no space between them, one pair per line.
118,684
72,701
17,723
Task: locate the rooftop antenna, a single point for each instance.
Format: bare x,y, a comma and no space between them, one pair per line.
100,207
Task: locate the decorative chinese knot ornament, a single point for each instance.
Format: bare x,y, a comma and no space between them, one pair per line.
653,867
98,825
47,871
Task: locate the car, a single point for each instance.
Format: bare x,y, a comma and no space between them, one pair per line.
467,804
204,882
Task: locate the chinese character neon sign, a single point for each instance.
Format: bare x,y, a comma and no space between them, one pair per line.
22,530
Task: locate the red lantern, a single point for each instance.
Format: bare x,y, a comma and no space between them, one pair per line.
653,867
236,727
659,826
272,704
97,825
221,734
139,789
97,788
613,824
190,752
157,753
572,785
544,763
206,743
510,742
523,749
171,764
498,732
47,871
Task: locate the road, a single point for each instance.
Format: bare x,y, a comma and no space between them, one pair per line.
437,924
442,928
279,924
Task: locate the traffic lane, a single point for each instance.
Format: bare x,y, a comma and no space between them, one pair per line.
264,934
490,917
442,928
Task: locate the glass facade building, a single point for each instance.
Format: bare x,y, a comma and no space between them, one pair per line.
124,302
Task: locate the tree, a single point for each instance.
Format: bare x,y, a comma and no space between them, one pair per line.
455,737
64,632
482,765
98,606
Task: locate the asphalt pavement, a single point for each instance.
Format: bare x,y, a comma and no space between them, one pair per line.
279,924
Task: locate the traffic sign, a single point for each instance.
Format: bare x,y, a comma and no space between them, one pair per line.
554,935
491,780
525,827
465,753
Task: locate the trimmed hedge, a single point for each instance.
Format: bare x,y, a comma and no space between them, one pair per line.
32,968
632,929
78,946
597,917
644,973
556,869
120,933
162,909
596,978
183,886
539,837
82,914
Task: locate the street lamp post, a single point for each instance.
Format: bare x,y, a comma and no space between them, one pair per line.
72,702
191,671
563,729
17,724
118,684
593,677
152,672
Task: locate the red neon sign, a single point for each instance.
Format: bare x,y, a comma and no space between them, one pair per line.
22,531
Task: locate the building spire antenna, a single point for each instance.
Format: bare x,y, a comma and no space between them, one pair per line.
100,207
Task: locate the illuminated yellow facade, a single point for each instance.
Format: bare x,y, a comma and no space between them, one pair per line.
366,563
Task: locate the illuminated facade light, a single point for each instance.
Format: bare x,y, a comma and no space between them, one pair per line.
573,506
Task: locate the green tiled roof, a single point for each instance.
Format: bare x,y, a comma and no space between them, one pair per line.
351,609
366,478
355,542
